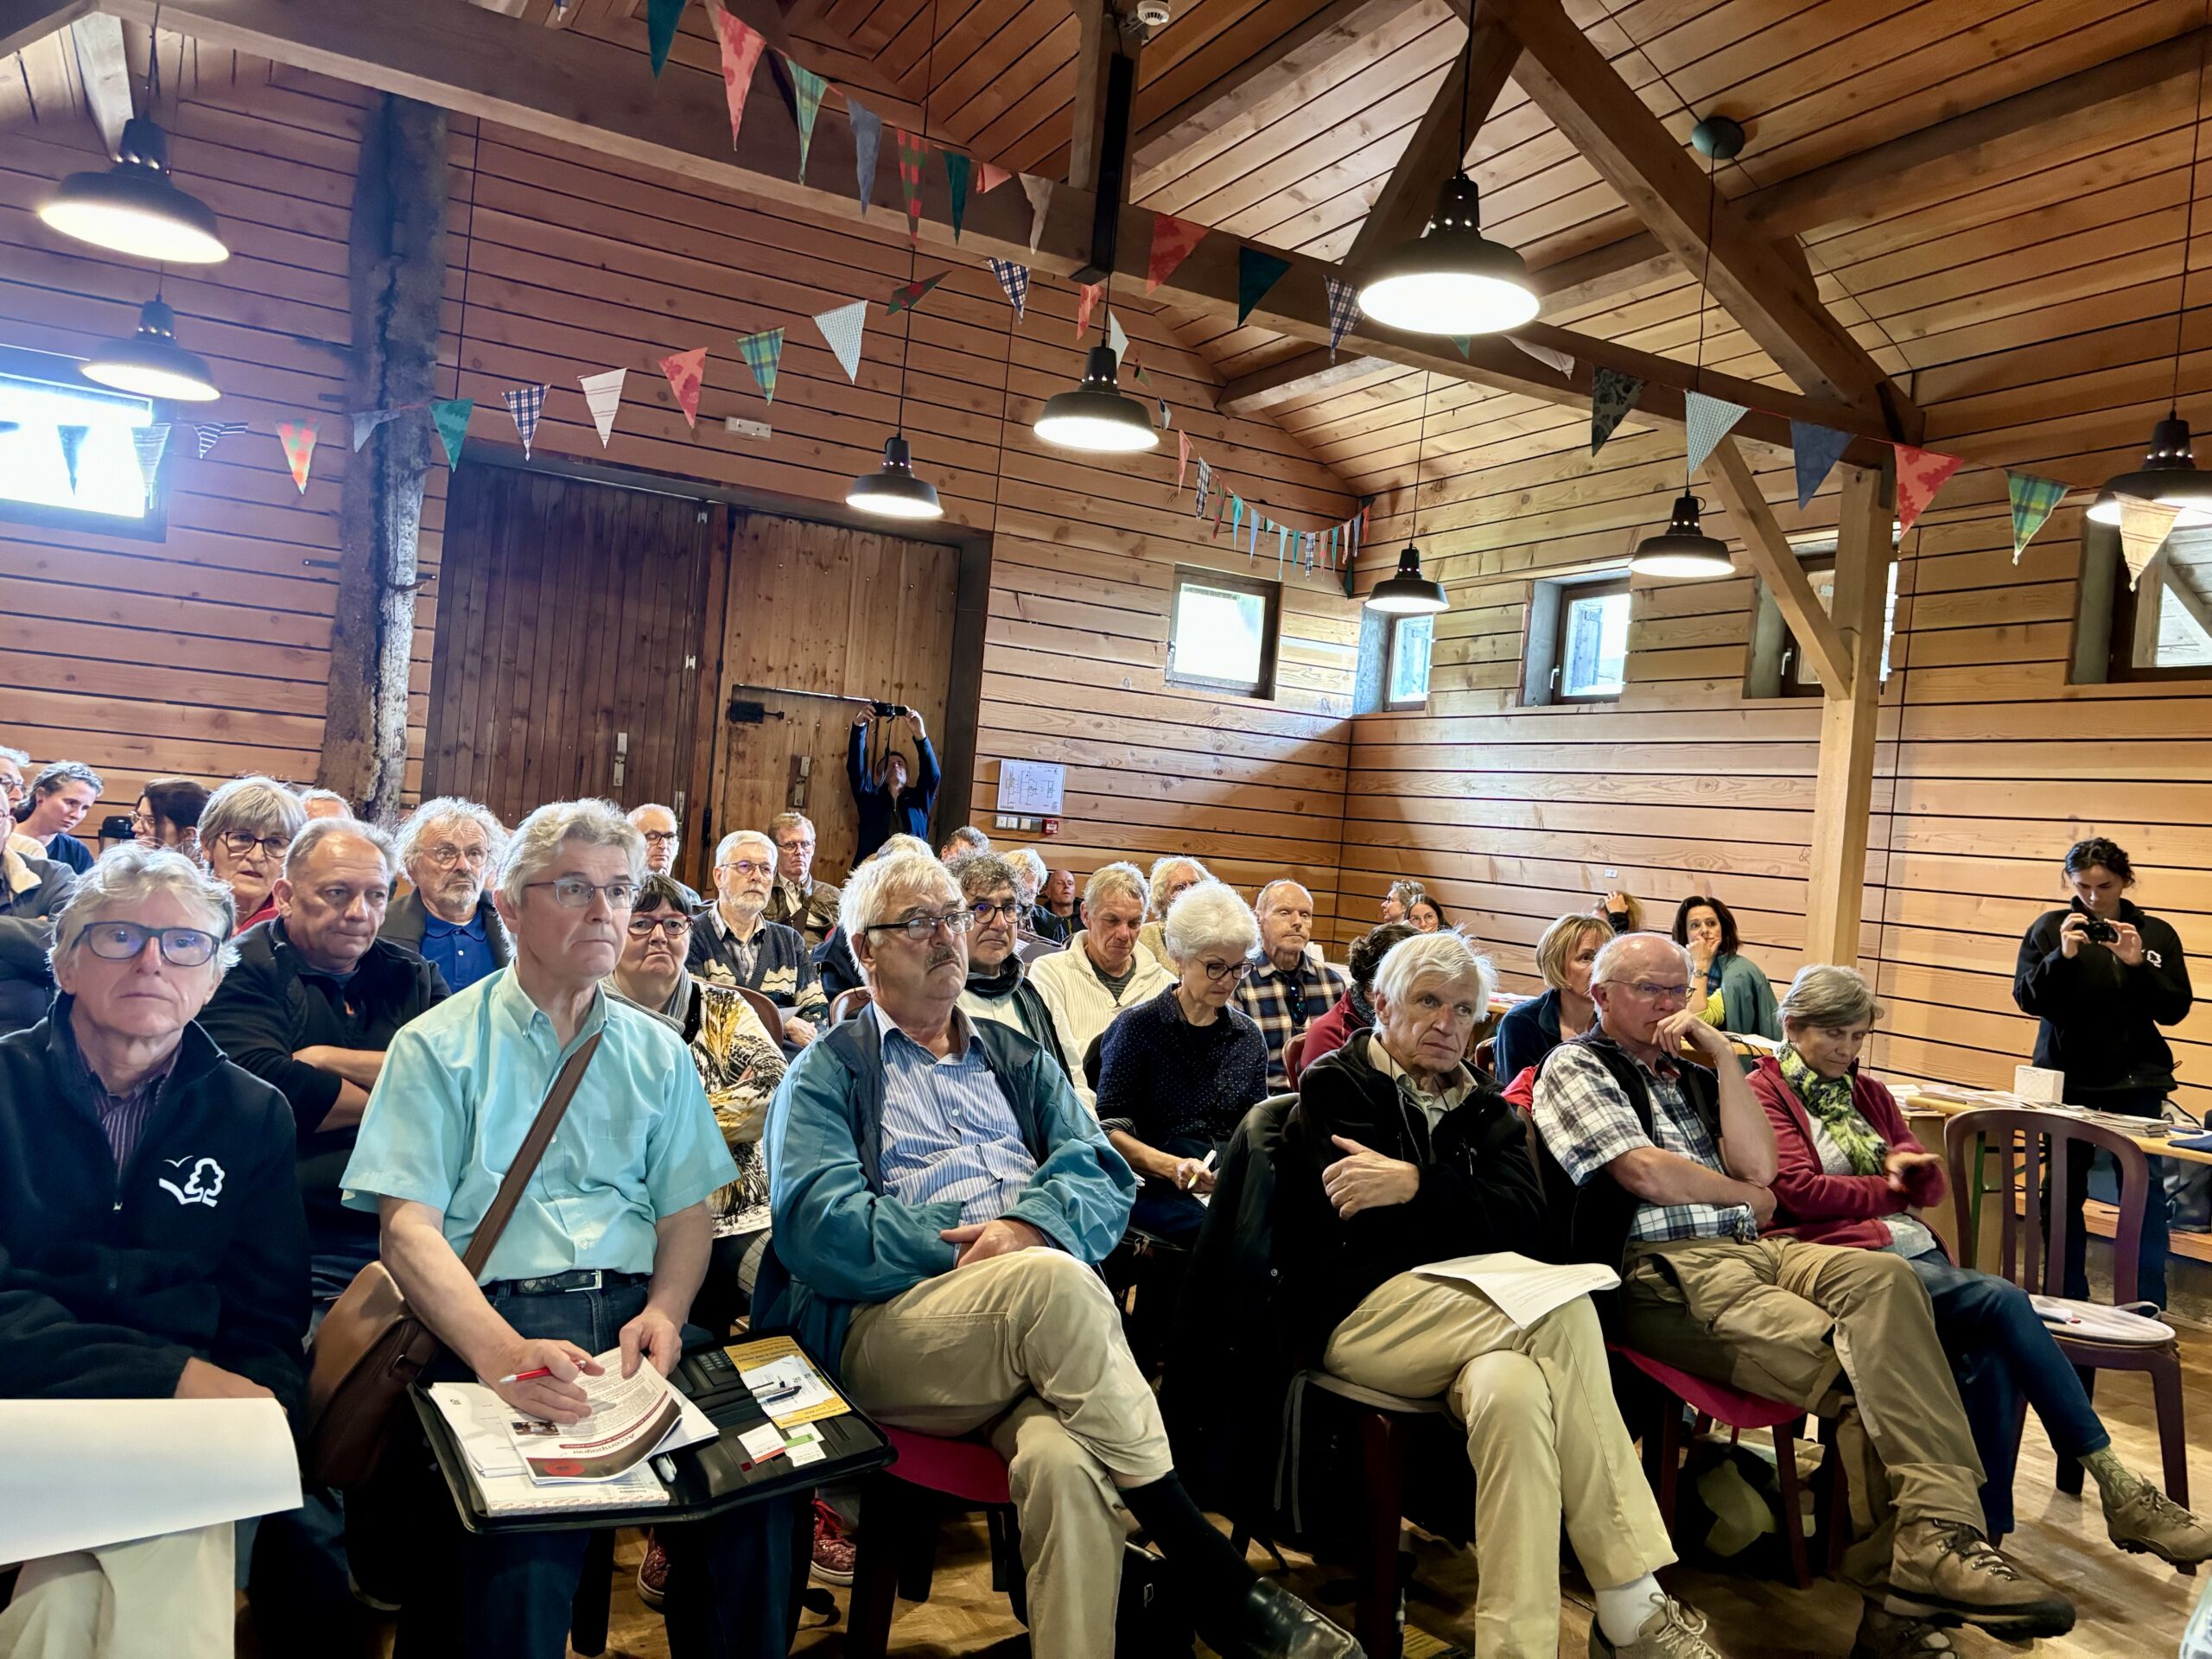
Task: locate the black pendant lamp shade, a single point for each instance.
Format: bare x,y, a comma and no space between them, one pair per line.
2167,476
135,206
1682,549
1407,593
151,363
1095,416
1451,280
892,491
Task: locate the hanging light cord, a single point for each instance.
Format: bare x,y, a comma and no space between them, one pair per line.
1466,75
1704,299
914,244
1420,442
2189,223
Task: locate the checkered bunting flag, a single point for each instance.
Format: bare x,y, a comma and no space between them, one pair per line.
1344,308
1014,282
525,404
763,351
211,432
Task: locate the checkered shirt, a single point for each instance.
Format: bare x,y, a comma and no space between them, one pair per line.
1286,1003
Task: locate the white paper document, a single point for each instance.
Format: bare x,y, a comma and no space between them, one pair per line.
1524,1289
78,1474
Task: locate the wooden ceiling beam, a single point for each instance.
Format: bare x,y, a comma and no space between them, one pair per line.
106,74
1302,376
23,22
1102,40
1775,564
1571,81
1462,104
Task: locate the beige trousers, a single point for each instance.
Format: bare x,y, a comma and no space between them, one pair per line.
1028,1346
165,1598
1544,1436
1847,1333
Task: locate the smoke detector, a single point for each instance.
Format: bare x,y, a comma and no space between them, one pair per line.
1153,14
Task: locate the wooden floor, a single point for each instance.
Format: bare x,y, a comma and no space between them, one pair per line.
2129,1604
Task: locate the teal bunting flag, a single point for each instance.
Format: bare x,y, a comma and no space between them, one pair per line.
2034,499
1466,343
763,351
1815,449
661,19
451,418
72,440
1256,272
957,167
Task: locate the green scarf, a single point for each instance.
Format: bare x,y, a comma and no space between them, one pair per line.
1829,1099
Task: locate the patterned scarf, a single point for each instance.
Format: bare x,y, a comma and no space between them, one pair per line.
1829,1099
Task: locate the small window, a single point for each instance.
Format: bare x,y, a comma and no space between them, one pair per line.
1222,634
1799,678
2162,628
1412,639
1590,653
71,457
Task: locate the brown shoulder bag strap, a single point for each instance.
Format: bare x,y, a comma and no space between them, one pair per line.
486,1236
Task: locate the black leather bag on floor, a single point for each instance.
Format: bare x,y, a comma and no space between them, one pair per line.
1149,1622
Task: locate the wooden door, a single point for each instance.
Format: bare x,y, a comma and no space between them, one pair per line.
815,607
572,626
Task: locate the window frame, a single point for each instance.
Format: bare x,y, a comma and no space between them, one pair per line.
1390,663
1566,594
63,373
1791,649
1270,595
2126,603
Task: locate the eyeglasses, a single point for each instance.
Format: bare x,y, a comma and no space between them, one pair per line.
794,846
918,928
987,911
181,947
1644,987
238,844
447,856
142,822
746,867
675,926
573,893
655,837
1218,971
14,788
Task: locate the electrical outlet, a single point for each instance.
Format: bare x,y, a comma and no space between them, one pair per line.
745,428
1006,821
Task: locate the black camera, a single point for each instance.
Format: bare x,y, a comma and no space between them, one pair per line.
2101,932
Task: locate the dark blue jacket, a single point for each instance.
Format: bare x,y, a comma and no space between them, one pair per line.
1528,1031
880,816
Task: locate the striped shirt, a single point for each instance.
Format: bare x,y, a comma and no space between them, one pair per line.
123,1118
949,1131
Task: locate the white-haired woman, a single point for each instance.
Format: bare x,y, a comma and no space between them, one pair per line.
244,831
1177,1074
1171,878
1397,1157
1849,1172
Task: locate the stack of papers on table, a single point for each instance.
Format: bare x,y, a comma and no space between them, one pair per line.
1524,1290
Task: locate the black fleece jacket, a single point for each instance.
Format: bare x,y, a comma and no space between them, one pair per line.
110,1282
2101,1017
1478,1193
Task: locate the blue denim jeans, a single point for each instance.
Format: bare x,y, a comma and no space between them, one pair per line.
731,1579
2151,1258
2000,1352
1161,1209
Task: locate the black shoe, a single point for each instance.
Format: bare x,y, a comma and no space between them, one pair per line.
1272,1623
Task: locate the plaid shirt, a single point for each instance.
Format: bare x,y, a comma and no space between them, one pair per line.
1587,1122
814,912
1283,1003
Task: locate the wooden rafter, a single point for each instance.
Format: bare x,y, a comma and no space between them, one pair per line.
1776,564
1102,40
22,22
106,74
1462,103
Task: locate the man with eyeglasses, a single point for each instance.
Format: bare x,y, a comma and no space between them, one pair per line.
735,943
13,789
60,797
1661,1168
663,841
1290,984
605,1254
151,1245
998,988
940,1200
797,899
448,850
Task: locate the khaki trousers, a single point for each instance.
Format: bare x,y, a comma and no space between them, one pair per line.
1544,1436
1028,1345
165,1598
1847,1333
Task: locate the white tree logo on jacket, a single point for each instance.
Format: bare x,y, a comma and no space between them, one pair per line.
203,1186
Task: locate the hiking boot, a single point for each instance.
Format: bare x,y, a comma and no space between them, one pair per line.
1946,1570
1673,1631
1884,1635
834,1550
2149,1523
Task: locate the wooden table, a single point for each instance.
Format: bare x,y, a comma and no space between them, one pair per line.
1910,1096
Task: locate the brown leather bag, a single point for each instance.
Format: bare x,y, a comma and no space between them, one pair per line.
371,1348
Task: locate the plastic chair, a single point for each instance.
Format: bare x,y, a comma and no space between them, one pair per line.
771,1015
2026,1259
1029,947
895,1554
846,1004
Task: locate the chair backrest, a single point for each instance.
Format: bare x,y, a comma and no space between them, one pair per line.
2017,1137
771,1015
1486,1051
846,1004
1091,1061
1029,947
1293,1054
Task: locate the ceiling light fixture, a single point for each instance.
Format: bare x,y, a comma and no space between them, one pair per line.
151,363
1407,592
1097,416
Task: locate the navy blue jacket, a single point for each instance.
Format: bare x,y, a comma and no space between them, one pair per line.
880,816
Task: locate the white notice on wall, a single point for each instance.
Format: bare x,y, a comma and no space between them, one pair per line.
1031,788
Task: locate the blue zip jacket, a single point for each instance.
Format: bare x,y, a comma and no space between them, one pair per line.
842,1242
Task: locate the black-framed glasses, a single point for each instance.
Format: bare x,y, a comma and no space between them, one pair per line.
14,788
987,911
181,947
655,837
573,893
1218,971
239,843
675,926
918,928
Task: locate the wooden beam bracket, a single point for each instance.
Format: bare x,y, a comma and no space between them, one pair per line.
1776,564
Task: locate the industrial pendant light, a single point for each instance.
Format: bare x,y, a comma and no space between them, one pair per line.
894,491
151,363
1408,591
1452,279
1096,416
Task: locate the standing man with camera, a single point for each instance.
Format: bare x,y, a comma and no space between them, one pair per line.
887,803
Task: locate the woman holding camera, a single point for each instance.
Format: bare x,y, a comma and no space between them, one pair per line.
2102,976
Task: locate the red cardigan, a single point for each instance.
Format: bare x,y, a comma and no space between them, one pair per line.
1821,1208
1329,1033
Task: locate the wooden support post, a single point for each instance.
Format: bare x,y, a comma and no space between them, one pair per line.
1843,794
1103,38
398,258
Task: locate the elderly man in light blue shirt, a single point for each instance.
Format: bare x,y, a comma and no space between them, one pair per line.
605,1251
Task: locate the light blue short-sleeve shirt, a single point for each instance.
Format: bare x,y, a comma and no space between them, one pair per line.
461,1087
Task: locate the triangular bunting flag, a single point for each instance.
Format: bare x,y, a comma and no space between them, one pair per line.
661,19
807,88
909,295
2034,499
1465,342
2144,527
451,420
1167,416
1182,456
1039,192
208,434
71,439
298,439
366,420
603,395
868,139
685,370
913,152
843,328
1343,306
1116,336
992,176
1173,239
1282,546
741,47
1205,487
1237,517
957,168
150,442
1920,472
1612,394
1547,356
1086,305
525,404
1013,283
1706,421
1256,272
763,351
1816,450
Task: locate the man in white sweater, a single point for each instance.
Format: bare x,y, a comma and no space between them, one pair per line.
1101,971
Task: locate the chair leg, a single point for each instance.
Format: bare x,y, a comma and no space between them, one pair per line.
1836,1503
1007,1574
875,1571
2069,1469
1793,1510
918,1546
1379,1632
588,1612
1667,1459
2173,1441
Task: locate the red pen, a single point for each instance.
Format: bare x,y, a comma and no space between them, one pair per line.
524,1377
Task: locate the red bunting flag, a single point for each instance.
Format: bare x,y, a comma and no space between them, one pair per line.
1920,472
1182,456
298,439
685,370
1086,305
741,47
992,176
1172,239
913,152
